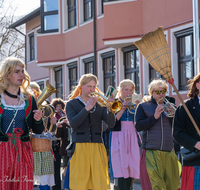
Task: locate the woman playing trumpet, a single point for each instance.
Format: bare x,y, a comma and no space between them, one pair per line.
88,167
125,154
159,165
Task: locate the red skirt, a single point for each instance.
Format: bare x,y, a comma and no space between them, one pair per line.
17,163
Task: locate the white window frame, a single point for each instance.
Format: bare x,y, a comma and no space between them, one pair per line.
100,67
82,64
65,17
66,75
174,55
99,8
34,32
81,15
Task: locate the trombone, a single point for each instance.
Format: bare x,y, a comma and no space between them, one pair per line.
168,107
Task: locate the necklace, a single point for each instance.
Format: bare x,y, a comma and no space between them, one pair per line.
93,109
11,95
83,100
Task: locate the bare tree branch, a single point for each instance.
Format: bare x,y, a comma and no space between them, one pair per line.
12,43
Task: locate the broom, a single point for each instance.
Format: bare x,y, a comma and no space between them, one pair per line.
154,48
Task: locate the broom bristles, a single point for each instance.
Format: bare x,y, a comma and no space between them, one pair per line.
154,48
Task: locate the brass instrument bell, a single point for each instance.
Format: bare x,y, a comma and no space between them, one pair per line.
102,101
47,91
168,107
130,105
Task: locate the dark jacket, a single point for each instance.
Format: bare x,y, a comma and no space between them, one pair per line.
86,126
183,130
31,123
63,133
157,133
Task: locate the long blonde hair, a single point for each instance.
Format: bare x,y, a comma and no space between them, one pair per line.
83,80
154,85
8,66
122,84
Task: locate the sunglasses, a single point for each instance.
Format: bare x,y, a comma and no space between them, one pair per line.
159,91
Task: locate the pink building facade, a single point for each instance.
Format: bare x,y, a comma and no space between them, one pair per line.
65,40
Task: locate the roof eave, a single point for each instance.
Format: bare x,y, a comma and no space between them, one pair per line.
26,18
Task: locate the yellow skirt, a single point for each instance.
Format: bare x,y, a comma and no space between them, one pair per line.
89,167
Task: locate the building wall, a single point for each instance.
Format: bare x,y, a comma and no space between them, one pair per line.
36,73
134,18
122,23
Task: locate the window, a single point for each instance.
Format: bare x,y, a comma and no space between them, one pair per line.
49,16
89,65
102,6
41,84
59,82
88,9
73,75
71,13
185,57
131,63
102,11
109,69
32,47
153,74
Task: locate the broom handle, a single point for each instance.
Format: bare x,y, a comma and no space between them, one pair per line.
186,109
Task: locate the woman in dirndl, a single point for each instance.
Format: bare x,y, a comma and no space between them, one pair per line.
18,114
124,148
186,135
88,166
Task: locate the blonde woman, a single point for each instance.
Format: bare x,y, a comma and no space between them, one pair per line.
124,148
19,114
88,167
159,165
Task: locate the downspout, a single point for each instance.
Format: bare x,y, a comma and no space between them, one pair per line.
196,36
25,43
94,36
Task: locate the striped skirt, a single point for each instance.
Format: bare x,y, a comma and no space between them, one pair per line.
190,178
17,164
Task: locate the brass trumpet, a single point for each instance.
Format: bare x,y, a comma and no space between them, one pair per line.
130,105
168,107
102,101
